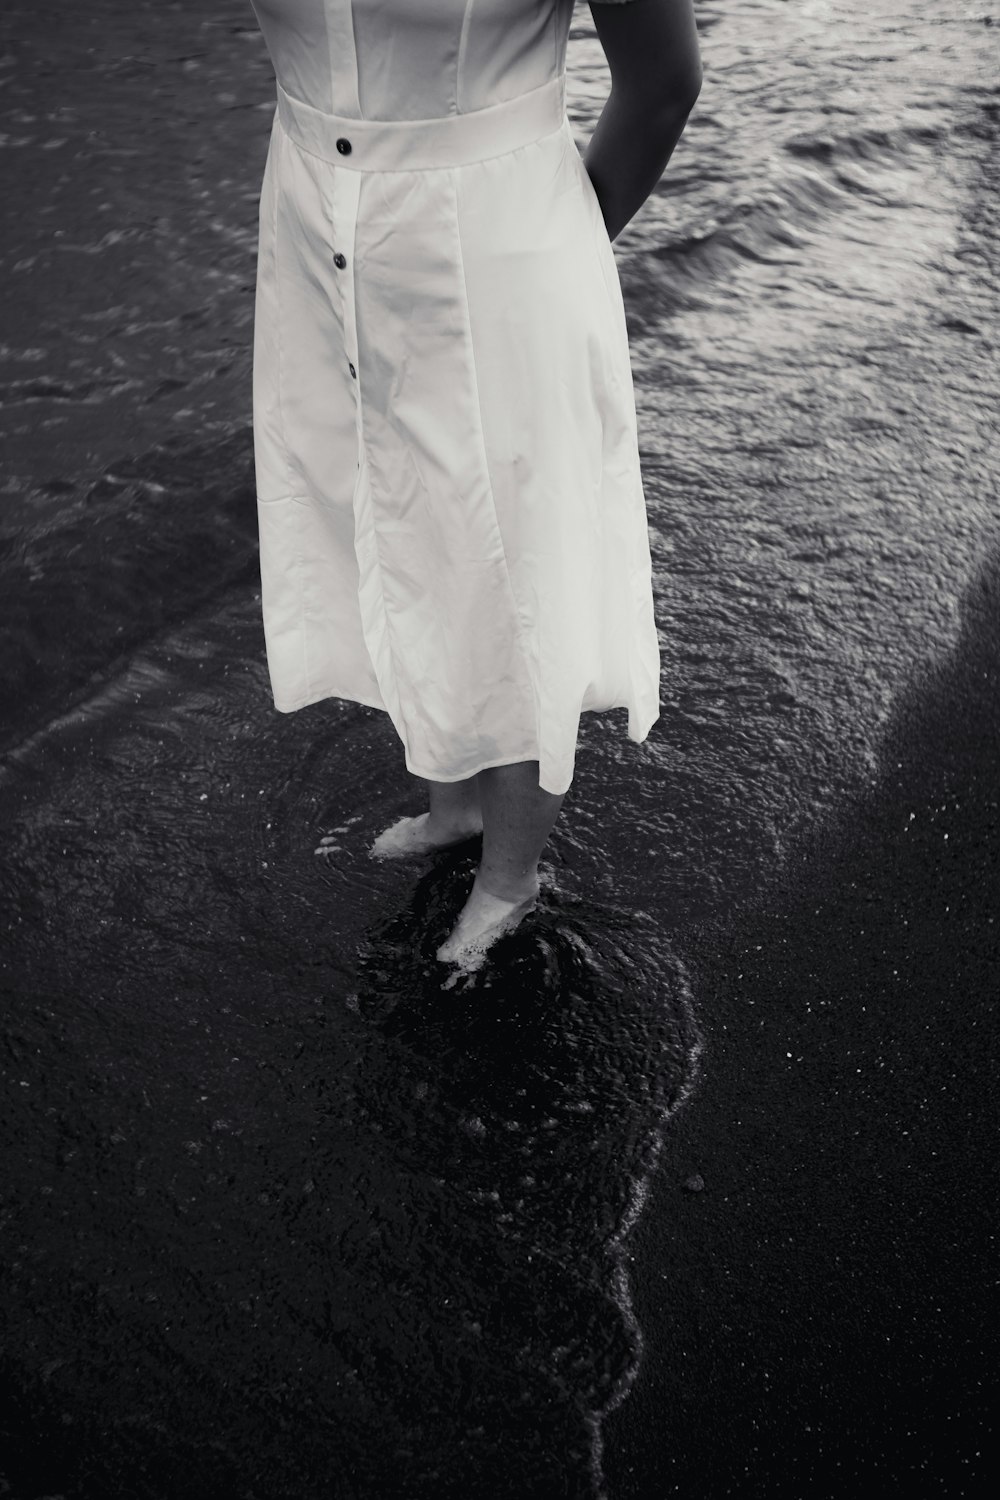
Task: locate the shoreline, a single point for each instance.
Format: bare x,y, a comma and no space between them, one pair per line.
823,1314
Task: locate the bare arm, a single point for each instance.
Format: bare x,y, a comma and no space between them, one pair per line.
652,52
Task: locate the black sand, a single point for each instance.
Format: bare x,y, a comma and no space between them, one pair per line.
822,1317
277,1217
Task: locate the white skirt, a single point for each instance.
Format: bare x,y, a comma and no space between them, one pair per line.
452,520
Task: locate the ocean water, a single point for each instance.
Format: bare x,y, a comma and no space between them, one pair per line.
287,1214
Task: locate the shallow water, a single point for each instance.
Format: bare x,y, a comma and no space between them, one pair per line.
314,1215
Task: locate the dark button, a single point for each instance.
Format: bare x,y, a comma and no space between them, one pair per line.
340,261
344,146
352,370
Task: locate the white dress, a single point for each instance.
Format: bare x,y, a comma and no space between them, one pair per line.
452,520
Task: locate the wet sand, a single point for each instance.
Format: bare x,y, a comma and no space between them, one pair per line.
281,1217
822,1315
234,1267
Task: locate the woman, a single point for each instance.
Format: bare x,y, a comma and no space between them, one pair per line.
452,520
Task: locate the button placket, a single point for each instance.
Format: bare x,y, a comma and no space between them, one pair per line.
346,196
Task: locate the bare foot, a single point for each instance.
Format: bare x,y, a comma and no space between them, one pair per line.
419,836
483,919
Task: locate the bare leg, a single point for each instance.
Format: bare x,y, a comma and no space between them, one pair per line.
454,804
517,820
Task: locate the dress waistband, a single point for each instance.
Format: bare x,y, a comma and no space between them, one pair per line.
417,145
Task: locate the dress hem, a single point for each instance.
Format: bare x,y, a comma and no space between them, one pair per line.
309,700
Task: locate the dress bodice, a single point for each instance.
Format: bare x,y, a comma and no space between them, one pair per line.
413,59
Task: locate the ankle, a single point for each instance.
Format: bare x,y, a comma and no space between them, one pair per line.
454,804
446,818
507,887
